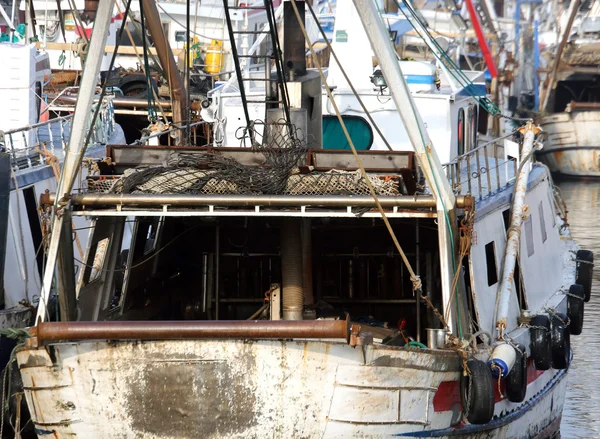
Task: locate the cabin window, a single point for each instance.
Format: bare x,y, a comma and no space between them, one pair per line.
552,211
461,131
529,236
152,236
359,129
542,222
490,258
473,123
180,36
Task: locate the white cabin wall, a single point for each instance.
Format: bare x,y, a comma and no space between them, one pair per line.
485,230
21,276
21,272
542,272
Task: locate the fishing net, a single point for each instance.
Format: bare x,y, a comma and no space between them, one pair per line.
212,173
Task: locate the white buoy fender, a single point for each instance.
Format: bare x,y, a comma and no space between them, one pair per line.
502,360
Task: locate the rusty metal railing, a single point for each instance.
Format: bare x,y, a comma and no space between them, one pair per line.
23,144
481,172
48,332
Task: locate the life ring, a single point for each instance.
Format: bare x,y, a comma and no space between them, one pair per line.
477,392
575,305
539,335
516,381
585,266
560,341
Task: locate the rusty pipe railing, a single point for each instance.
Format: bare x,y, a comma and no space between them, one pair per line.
149,200
46,332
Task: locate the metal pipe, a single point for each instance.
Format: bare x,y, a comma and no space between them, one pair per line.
418,272
307,265
217,266
190,330
403,202
167,61
291,269
505,288
118,102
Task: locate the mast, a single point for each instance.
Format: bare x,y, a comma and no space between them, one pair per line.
167,61
557,58
425,152
505,288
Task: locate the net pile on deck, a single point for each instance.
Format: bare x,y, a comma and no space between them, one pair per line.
211,173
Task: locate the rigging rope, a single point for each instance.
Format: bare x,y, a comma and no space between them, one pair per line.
415,279
411,15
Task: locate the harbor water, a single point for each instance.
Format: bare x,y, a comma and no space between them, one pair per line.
582,405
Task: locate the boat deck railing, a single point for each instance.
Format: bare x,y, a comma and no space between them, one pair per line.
31,144
483,171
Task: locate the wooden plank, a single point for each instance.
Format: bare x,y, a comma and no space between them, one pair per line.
122,50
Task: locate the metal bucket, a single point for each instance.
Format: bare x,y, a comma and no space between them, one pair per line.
436,338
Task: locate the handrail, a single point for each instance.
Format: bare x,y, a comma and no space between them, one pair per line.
480,169
36,125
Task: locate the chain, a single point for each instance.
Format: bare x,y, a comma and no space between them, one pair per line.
527,325
566,293
551,311
581,261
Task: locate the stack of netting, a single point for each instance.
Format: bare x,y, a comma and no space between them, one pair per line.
207,173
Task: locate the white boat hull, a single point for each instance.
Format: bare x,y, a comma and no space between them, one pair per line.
573,145
255,389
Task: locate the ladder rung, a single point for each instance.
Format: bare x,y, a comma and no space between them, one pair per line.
247,7
251,32
259,79
254,56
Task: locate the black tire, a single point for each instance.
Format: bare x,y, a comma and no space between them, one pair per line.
477,393
516,381
539,334
560,340
575,305
585,266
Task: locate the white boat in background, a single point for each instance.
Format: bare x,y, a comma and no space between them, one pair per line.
573,146
225,313
573,110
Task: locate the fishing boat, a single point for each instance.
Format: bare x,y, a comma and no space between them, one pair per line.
572,149
284,290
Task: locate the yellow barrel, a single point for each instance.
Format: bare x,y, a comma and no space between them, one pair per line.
214,57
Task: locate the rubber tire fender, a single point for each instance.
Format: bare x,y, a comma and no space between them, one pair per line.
539,335
516,381
560,341
584,272
477,392
575,308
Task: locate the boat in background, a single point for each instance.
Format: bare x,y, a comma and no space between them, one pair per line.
572,148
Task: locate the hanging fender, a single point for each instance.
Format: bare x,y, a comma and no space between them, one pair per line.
477,392
560,341
539,335
575,308
516,381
